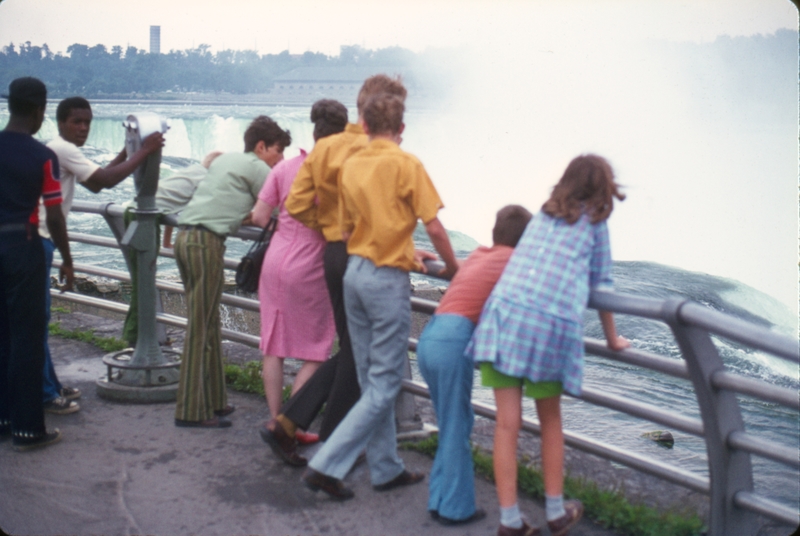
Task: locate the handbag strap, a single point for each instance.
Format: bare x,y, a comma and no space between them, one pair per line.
266,234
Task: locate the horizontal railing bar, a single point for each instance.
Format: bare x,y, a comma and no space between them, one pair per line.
643,410
766,507
647,465
741,331
749,386
422,305
626,304
749,443
640,358
94,240
113,209
177,288
82,299
105,241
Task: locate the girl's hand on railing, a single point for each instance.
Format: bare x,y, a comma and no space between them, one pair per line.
619,343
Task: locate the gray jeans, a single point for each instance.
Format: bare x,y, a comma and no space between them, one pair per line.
377,301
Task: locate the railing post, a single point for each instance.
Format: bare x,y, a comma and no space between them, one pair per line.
730,470
407,419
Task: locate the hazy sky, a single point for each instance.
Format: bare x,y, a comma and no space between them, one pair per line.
712,181
322,26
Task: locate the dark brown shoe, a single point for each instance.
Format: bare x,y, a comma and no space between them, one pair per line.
332,486
216,422
227,410
282,445
560,526
524,530
403,479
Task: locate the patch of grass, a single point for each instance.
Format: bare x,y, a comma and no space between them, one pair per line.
59,309
608,508
108,344
247,379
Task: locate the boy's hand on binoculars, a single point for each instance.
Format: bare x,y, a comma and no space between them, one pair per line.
153,142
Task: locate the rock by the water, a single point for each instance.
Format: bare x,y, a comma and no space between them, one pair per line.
661,437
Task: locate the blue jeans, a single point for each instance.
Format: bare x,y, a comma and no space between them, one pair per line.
52,387
377,301
440,354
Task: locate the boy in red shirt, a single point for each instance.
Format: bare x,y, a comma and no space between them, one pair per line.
448,372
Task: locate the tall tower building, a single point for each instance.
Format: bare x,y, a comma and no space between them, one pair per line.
155,39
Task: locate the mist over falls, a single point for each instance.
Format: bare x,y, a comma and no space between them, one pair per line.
701,135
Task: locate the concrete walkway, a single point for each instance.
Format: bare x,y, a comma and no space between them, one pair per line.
126,469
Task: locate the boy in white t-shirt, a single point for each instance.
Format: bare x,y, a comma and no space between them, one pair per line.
74,118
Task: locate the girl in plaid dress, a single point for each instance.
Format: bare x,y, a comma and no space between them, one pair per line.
530,334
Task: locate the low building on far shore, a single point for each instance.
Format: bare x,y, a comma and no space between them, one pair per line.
309,84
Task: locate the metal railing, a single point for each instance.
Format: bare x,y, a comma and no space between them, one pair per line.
733,501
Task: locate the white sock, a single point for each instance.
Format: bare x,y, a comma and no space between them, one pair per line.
554,507
510,517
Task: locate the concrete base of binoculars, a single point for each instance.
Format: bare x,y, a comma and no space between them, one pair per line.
127,382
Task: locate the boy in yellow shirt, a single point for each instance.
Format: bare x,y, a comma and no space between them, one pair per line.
382,193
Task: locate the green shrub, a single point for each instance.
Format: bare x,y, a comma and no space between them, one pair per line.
247,379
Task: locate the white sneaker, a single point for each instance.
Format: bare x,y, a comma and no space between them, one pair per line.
61,406
70,393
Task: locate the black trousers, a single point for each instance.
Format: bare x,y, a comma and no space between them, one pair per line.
23,324
335,383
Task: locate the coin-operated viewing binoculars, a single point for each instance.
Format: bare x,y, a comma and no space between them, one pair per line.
146,375
137,128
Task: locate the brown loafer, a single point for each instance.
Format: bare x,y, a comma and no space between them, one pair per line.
216,422
524,530
282,445
332,486
227,410
560,526
403,479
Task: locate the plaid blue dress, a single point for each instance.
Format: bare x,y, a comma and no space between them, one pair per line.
532,324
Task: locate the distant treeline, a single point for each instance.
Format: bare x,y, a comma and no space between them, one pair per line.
97,71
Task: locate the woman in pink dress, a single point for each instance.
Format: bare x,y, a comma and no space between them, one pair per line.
296,313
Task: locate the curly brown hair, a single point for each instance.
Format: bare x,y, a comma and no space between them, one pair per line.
329,117
263,128
587,187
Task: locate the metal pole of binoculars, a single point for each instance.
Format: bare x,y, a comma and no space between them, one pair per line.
143,374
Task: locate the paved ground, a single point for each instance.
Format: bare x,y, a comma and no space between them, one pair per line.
125,469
